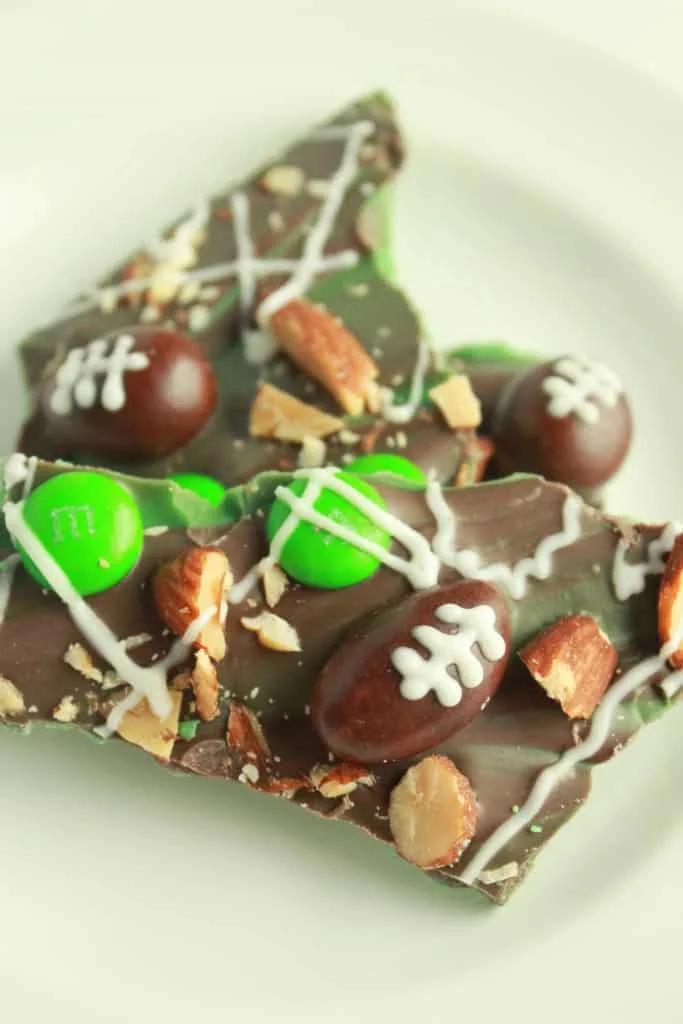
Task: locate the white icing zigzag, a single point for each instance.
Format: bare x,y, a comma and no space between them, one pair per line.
628,578
468,562
477,626
580,386
601,726
76,379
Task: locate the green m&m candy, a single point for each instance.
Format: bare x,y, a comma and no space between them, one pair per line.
369,465
318,558
203,486
89,524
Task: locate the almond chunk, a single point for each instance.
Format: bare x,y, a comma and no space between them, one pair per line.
205,686
670,616
284,180
141,727
66,711
77,658
285,787
574,662
273,632
275,413
432,813
340,779
11,699
330,354
458,403
244,733
274,581
190,586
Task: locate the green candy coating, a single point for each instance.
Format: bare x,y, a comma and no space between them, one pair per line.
89,524
318,558
369,465
203,486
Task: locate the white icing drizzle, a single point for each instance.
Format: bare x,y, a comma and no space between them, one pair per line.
75,380
404,413
180,249
628,578
580,386
7,571
601,726
205,275
241,590
468,562
477,626
147,682
421,569
309,265
239,204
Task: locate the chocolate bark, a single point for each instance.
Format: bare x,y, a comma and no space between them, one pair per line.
284,201
266,694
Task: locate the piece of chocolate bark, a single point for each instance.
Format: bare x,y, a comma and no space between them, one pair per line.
265,330
190,356
439,666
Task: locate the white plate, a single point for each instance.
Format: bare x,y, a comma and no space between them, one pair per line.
540,205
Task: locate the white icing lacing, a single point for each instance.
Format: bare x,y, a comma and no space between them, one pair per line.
602,723
628,578
76,379
449,651
404,413
309,264
468,562
581,386
421,569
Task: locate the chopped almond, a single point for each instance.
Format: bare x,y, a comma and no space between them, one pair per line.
312,454
329,353
273,632
277,414
11,699
205,686
274,581
337,780
458,403
432,813
78,658
190,586
244,733
141,727
66,711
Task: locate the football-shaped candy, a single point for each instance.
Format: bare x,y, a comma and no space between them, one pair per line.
567,420
414,674
137,395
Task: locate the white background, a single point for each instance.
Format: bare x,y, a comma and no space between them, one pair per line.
542,202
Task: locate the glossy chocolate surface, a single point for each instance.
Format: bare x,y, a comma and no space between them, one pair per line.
503,748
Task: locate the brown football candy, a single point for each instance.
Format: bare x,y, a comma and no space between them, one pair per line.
134,395
450,644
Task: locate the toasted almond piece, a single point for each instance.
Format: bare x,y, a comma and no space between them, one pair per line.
670,616
78,658
274,581
165,284
574,662
458,403
476,457
244,733
205,686
285,180
312,454
432,813
274,413
67,710
318,188
157,736
11,699
190,586
340,779
284,787
329,353
273,632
